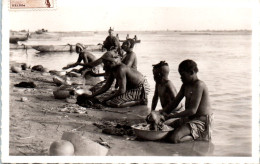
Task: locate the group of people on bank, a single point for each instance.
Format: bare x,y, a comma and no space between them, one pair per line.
125,86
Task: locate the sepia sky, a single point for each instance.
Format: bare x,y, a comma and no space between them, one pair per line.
80,15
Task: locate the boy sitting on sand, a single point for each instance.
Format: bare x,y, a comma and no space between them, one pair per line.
194,122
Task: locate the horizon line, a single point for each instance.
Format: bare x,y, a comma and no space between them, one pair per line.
167,30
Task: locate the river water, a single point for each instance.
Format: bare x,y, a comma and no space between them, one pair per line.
224,62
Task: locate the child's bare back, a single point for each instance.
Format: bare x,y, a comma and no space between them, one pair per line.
164,88
167,92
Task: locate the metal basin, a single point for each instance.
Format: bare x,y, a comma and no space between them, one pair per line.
143,132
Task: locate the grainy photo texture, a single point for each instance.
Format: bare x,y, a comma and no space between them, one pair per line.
141,80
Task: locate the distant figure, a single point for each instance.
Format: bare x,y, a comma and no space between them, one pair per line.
83,55
47,2
135,38
164,88
112,43
129,58
127,36
133,87
117,36
194,122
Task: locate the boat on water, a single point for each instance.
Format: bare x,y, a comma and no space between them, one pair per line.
41,31
53,48
15,38
64,48
22,46
136,41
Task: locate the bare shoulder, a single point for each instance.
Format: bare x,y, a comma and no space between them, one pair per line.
169,84
200,85
86,52
133,53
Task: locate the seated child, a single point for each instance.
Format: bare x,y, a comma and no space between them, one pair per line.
195,120
164,88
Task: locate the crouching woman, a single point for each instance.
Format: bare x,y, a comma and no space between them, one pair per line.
132,85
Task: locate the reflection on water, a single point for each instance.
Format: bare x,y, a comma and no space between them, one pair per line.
161,148
197,148
203,148
224,63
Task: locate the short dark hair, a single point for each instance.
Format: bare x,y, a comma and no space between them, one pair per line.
160,64
188,65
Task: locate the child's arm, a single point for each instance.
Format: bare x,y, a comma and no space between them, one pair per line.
194,102
105,87
173,104
94,63
74,64
80,58
91,73
121,81
155,98
173,93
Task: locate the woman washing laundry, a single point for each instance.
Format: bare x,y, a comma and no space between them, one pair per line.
84,56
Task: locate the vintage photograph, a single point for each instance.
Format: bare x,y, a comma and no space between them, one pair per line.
111,79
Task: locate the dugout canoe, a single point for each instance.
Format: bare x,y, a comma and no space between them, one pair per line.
15,38
64,48
22,46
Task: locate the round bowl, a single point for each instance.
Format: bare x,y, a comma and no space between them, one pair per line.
142,131
61,148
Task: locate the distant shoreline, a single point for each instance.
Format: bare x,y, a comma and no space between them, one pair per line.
177,31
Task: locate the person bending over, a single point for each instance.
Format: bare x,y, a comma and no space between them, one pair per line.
132,86
84,56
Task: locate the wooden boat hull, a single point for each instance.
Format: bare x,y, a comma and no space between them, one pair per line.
15,39
41,31
38,32
22,46
65,48
52,48
136,41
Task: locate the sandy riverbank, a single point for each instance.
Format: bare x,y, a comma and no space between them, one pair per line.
36,122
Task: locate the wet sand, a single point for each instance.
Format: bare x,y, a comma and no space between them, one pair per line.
37,122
